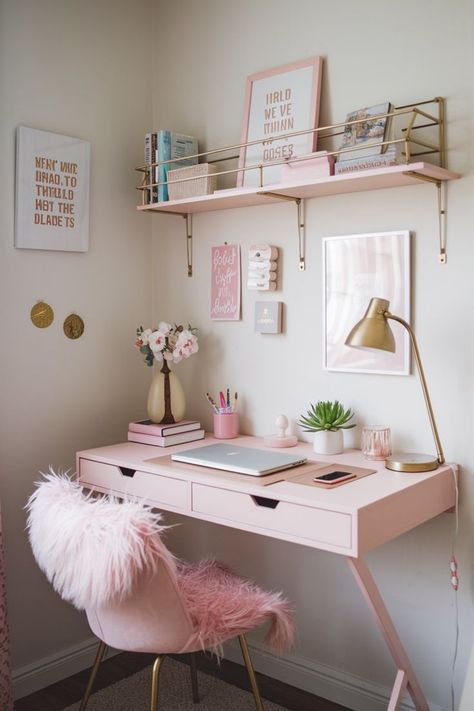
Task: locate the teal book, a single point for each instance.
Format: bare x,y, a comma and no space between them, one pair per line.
172,145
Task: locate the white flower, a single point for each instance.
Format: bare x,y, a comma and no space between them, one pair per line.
145,336
167,355
157,341
164,328
186,345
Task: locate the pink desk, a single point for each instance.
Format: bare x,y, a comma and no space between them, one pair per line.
348,520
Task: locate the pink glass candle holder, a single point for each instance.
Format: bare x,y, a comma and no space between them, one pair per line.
376,442
226,425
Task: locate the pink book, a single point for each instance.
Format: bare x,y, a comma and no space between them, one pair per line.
171,439
151,428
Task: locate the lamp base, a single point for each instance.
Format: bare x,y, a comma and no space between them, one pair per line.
400,462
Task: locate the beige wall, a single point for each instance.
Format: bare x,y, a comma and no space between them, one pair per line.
373,51
79,68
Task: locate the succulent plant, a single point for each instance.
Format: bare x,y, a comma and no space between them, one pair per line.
326,415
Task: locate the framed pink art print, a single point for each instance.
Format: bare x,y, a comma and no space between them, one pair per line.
356,268
278,101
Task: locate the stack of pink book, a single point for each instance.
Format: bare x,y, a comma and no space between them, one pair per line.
148,432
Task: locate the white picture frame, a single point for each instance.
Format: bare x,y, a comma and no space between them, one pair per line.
52,191
356,268
279,101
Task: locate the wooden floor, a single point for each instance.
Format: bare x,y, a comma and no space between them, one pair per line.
66,692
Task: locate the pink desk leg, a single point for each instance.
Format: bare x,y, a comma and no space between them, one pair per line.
406,675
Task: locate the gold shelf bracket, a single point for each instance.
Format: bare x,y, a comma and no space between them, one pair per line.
441,190
189,242
300,221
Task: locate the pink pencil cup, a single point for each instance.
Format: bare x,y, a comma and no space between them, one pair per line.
226,426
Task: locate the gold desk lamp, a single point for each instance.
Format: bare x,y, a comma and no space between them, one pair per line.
373,331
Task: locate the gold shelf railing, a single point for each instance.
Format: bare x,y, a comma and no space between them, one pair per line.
414,145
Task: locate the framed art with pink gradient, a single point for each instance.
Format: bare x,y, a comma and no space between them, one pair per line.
356,268
277,102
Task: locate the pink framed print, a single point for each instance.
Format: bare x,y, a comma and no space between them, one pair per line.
356,268
225,283
277,102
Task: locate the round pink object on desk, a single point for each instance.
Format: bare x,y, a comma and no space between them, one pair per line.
280,439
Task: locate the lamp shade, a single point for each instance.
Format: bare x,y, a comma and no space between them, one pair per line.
373,330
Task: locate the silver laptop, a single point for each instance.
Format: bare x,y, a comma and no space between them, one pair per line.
242,460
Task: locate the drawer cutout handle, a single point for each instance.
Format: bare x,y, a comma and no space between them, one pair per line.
267,503
127,472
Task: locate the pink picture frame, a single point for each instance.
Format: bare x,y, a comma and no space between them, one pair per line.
279,101
356,268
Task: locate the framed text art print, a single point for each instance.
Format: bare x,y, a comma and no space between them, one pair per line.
278,102
52,191
356,268
225,283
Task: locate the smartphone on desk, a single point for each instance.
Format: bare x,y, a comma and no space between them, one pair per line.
335,477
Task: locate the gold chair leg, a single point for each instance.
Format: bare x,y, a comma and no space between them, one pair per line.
154,683
194,678
251,673
98,658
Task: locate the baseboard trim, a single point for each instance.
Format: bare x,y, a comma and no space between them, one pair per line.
49,670
340,687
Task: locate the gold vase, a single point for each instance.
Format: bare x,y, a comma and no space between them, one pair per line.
166,402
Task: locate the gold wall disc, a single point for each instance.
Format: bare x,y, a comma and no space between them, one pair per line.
42,315
73,326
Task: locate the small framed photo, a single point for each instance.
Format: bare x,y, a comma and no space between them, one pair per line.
52,191
356,268
268,316
277,102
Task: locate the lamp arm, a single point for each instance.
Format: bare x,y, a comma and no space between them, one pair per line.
416,353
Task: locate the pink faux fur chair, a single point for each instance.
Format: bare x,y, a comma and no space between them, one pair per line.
106,557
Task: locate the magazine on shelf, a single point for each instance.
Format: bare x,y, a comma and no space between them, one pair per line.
393,156
368,130
167,441
153,428
172,145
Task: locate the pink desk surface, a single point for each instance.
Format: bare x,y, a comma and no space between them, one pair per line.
349,519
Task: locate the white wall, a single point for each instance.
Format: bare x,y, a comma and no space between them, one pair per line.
82,69
373,51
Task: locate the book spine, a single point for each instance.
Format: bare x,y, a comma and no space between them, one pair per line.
166,441
163,430
163,152
365,164
150,153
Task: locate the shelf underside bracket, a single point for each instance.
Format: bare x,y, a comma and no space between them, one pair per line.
189,242
441,189
299,202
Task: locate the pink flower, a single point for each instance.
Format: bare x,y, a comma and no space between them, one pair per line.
157,341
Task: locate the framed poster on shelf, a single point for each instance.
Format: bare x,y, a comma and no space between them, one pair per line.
356,268
52,191
277,102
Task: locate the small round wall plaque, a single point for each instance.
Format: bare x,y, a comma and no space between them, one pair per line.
42,315
73,326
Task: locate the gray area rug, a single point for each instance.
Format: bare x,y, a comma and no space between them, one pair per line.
133,693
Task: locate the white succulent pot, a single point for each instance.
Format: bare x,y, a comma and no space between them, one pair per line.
327,442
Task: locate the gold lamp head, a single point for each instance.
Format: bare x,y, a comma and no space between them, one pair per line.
373,330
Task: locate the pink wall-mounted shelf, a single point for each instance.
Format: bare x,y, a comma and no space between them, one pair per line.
376,179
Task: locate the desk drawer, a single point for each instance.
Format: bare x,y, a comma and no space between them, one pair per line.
318,525
152,487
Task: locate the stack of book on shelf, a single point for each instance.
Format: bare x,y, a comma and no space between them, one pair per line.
365,137
148,432
163,145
